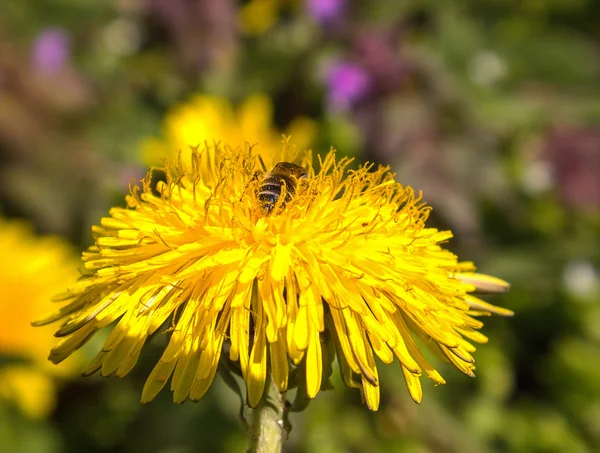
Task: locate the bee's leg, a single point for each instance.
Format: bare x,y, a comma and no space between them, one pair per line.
262,162
255,177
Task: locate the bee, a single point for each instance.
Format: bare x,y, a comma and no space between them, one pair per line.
271,187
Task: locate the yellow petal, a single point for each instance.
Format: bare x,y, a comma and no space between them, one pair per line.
314,365
483,283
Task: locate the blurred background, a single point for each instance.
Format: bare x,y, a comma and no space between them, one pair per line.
490,107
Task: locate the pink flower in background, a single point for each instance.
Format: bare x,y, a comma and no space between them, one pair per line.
380,53
325,10
347,83
51,51
574,154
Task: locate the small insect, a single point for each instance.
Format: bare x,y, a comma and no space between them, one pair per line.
271,187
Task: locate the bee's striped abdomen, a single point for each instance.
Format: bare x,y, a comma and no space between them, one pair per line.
269,192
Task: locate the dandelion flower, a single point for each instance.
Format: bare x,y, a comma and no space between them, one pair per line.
344,268
258,16
32,270
206,119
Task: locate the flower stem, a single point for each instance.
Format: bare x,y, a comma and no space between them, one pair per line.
267,424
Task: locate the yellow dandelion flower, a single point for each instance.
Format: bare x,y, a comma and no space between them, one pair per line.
206,119
341,265
32,270
258,16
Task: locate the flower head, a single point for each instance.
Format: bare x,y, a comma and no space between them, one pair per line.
325,11
32,270
571,155
51,51
206,119
347,83
257,17
342,265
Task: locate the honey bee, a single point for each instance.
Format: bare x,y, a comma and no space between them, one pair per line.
271,187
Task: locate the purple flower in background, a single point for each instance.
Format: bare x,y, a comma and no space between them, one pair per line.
574,154
347,83
325,10
51,51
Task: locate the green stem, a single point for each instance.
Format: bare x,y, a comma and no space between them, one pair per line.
267,423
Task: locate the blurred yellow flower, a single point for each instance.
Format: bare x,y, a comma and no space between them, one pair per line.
258,16
341,264
32,270
32,390
207,119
